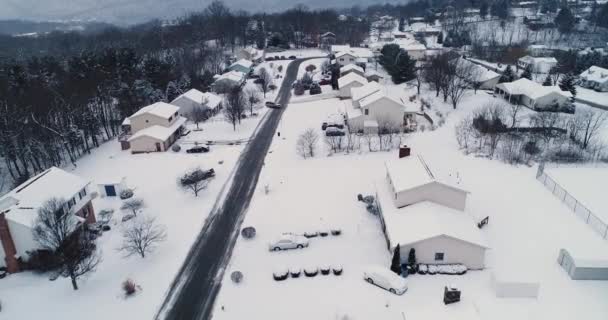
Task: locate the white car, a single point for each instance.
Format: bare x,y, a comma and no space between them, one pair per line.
385,279
288,241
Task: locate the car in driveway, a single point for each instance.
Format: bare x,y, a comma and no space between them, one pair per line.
334,132
385,279
273,105
198,149
288,241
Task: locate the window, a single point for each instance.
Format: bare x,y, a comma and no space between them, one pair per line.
367,112
438,256
82,193
341,59
71,203
147,121
170,118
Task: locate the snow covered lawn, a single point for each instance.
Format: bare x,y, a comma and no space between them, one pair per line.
527,227
592,96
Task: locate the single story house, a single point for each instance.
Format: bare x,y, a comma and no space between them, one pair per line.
191,99
581,268
537,64
250,53
154,128
439,234
595,78
351,68
349,81
335,49
228,80
344,58
533,95
19,209
482,77
243,65
111,187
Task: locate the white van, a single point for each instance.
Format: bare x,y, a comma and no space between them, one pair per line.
386,279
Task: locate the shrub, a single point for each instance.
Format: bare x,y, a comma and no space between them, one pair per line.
126,194
280,275
336,232
325,270
42,261
298,90
323,233
280,68
248,232
311,271
129,287
176,148
422,269
337,270
311,234
106,228
236,276
272,87
269,58
295,272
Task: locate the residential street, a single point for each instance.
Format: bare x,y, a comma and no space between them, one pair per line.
197,283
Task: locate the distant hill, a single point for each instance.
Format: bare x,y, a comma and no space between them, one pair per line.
24,27
125,12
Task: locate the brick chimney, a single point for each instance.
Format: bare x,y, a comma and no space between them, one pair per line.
12,265
404,151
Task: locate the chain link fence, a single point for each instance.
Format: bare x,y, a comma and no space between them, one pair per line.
580,210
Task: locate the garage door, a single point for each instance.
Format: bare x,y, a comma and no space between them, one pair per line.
110,191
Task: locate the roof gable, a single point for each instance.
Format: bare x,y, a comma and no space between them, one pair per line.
350,78
159,109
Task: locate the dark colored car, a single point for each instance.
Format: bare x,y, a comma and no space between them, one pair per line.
315,89
258,80
292,57
283,58
270,104
325,82
198,149
333,132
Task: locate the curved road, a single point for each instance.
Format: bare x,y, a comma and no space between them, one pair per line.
193,292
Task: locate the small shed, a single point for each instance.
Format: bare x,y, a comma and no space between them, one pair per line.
111,187
579,268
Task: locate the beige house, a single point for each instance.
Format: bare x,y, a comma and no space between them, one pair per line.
345,58
153,128
533,95
349,81
351,68
378,111
209,102
420,209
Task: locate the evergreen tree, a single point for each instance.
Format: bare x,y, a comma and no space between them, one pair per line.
440,38
548,82
548,6
401,24
564,20
507,75
527,73
567,84
483,9
405,68
396,262
602,16
411,259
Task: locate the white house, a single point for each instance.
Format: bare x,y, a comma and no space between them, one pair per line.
537,64
250,53
379,111
344,58
595,78
228,80
19,209
533,95
351,80
483,77
243,65
351,68
153,128
111,186
339,48
191,99
359,93
419,211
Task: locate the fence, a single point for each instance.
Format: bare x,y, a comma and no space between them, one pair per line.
597,224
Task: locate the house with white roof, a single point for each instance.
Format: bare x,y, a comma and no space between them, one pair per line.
191,99
351,68
339,48
251,54
423,208
533,95
375,110
227,81
373,75
414,49
359,93
349,81
595,78
344,58
20,207
537,64
482,77
243,65
153,128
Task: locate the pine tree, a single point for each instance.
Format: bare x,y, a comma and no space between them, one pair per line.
396,262
527,73
405,69
567,84
548,82
483,9
440,38
411,259
564,20
507,75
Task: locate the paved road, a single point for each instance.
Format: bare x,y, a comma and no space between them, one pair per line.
193,292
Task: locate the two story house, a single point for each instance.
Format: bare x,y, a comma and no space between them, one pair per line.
153,128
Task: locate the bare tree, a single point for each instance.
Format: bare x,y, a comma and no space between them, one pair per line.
252,96
586,125
142,236
133,205
59,231
198,115
513,110
334,143
307,143
458,80
234,106
194,180
264,81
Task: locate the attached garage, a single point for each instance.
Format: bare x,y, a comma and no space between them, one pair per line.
583,269
111,187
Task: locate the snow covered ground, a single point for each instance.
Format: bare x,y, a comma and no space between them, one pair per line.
299,53
527,228
592,96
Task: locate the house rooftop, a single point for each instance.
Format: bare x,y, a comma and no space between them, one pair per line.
159,132
160,109
413,171
233,75
359,93
595,74
339,48
351,66
531,59
212,100
243,62
530,88
350,78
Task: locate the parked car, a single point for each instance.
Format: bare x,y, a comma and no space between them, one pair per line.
315,89
288,241
198,149
385,279
271,104
325,82
333,132
292,57
258,80
283,58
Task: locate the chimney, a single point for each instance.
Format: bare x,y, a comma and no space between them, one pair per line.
12,264
404,151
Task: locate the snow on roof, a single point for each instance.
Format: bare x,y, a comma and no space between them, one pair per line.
375,96
159,132
425,220
339,48
595,74
24,201
414,171
422,27
359,93
530,89
479,73
327,34
110,181
351,67
126,122
233,75
243,62
344,53
409,44
211,100
370,73
350,78
534,60
160,109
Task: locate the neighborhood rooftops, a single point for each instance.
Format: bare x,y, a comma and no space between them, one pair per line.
233,75
350,67
365,90
243,62
211,100
530,88
161,109
479,73
414,171
350,78
23,202
159,132
595,74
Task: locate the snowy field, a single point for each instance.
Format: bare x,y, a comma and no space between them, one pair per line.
527,228
299,53
592,96
154,178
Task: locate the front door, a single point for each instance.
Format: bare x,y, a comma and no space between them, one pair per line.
158,147
110,191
